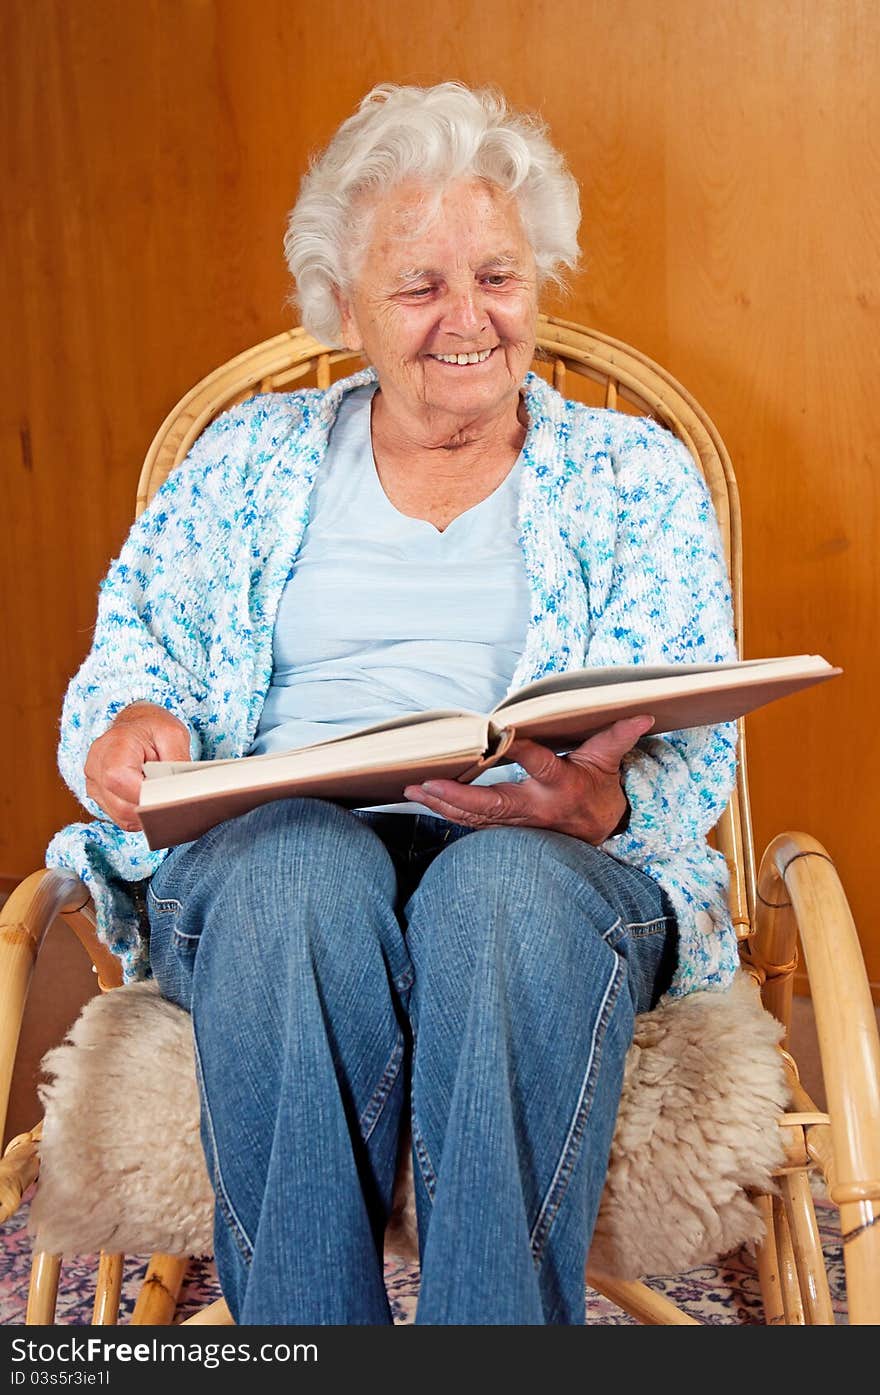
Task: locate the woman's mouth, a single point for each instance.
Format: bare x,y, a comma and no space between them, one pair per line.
464,360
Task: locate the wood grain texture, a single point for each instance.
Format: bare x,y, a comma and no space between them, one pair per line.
729,162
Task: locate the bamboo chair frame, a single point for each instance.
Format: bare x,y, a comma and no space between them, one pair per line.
796,892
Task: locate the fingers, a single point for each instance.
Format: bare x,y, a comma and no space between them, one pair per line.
163,736
171,740
536,760
607,748
113,780
114,766
470,804
122,812
580,795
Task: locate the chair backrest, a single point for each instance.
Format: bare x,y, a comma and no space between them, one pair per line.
577,361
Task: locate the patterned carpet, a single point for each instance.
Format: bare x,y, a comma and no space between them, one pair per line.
726,1292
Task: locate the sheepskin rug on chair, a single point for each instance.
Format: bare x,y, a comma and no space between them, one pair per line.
122,1168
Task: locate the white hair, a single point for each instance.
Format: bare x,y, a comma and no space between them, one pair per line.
434,134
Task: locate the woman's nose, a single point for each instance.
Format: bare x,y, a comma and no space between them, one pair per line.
463,313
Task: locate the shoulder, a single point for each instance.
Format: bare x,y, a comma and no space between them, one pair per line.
253,454
289,429
640,445
258,423
647,465
596,440
235,449
634,445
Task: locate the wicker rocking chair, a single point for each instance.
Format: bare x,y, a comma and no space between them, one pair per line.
796,892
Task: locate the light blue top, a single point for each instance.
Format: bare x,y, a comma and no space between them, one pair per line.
384,615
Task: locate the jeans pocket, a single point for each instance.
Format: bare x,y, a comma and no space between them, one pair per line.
172,953
651,954
162,905
169,887
165,912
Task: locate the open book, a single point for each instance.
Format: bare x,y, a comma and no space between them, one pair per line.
181,800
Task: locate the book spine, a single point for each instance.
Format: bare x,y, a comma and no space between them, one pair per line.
502,738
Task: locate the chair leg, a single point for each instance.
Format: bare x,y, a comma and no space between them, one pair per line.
107,1290
768,1268
809,1260
43,1292
788,1275
157,1300
640,1301
860,1226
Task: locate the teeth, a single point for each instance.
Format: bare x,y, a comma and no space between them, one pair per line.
463,358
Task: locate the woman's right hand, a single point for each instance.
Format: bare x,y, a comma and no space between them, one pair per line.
113,766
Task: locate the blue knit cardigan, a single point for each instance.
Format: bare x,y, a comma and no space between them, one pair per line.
624,562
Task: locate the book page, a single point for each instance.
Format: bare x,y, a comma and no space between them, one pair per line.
368,769
158,769
677,701
461,736
576,680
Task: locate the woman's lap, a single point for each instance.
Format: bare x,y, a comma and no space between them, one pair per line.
497,871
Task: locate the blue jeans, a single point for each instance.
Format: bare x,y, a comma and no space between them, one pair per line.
338,964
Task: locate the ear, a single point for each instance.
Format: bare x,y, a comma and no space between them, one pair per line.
351,335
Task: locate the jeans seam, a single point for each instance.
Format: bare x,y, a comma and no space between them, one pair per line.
224,1201
426,1168
370,1115
571,1147
606,934
420,1148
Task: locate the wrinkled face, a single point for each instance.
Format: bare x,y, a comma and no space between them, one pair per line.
446,314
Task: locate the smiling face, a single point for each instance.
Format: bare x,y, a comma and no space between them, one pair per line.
447,314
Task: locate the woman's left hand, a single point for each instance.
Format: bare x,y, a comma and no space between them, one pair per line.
579,793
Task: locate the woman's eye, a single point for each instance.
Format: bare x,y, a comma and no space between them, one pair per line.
497,279
419,292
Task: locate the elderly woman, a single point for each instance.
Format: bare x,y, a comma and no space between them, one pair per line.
433,531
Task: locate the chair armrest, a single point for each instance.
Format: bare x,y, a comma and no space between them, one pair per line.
798,877
18,1168
24,920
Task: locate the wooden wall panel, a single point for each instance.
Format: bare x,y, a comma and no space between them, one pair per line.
728,160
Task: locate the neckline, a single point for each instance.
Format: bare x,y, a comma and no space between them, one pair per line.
423,523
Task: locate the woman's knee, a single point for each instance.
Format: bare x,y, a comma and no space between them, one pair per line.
514,879
277,876
305,844
548,903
